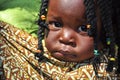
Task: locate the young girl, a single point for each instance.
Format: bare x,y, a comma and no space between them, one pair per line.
75,42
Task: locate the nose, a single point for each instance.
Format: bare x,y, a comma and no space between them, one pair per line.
67,37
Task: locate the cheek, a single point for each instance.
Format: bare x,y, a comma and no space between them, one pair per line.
48,44
50,41
86,45
85,49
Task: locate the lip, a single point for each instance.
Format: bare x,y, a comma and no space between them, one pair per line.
64,53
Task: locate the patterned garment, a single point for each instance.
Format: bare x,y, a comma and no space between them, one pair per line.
17,60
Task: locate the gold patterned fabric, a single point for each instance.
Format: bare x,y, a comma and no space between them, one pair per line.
17,60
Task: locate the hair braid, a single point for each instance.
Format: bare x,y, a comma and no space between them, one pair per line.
41,23
116,21
42,26
106,16
91,16
92,20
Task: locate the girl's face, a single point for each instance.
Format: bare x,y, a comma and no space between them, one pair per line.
67,38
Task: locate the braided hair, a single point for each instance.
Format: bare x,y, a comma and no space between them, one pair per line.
107,27
106,15
42,26
116,21
91,19
108,38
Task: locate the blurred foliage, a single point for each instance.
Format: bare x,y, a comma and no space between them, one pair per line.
21,13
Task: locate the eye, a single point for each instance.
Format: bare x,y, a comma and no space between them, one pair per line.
82,28
55,24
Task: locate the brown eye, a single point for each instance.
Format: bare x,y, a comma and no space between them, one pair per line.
82,28
55,24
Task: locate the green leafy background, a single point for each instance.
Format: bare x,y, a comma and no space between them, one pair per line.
21,13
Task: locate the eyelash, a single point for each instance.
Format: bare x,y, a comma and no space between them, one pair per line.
82,28
55,24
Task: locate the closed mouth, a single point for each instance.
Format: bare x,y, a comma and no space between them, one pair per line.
65,53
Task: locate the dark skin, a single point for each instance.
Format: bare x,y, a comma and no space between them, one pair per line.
66,39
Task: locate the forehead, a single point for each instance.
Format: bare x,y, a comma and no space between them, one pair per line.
66,3
67,6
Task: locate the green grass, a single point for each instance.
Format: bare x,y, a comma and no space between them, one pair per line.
21,13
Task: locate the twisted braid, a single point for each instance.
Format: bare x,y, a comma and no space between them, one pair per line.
116,21
41,23
105,13
91,16
92,20
42,26
106,16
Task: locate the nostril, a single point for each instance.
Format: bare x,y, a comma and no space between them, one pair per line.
72,44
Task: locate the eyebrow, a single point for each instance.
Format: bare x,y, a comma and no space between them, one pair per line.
55,18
